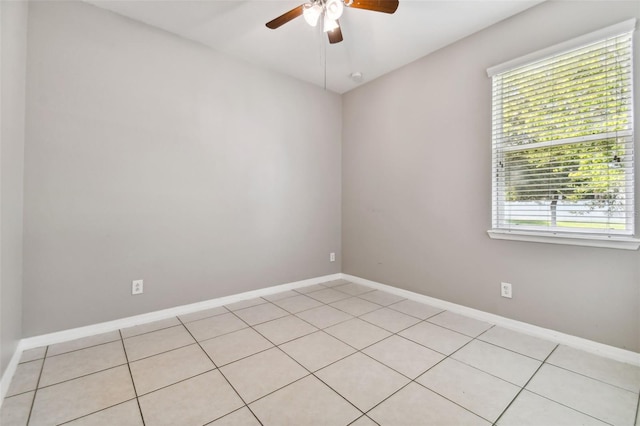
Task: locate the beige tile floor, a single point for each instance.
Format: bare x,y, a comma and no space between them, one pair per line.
337,353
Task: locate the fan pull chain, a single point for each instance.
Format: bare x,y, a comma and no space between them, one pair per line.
325,64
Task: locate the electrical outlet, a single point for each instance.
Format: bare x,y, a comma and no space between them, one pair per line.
505,290
137,287
332,257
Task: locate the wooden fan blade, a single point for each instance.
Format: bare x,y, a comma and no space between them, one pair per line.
335,36
285,17
385,6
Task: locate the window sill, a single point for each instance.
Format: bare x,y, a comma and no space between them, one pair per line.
622,242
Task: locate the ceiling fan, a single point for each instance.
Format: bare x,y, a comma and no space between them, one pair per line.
330,11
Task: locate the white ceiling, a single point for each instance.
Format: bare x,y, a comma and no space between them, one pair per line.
374,43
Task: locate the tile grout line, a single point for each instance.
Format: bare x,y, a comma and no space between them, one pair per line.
179,381
277,301
590,377
310,373
480,340
348,319
94,412
360,351
141,359
511,350
248,325
331,363
542,361
239,302
417,343
329,306
211,338
323,304
246,356
273,347
205,317
452,401
230,413
37,358
481,370
21,393
301,319
525,385
568,407
397,334
120,365
297,312
423,386
222,374
385,399
79,349
318,329
133,382
291,313
363,416
252,327
391,368
428,369
336,361
35,392
272,300
161,352
83,375
196,341
358,316
491,374
147,332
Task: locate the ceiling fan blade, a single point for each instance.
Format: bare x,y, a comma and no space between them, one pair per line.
285,17
385,6
335,36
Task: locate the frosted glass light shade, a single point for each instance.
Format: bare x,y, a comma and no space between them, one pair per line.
329,24
311,13
334,9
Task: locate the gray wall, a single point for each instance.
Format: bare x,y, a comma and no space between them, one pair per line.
13,49
152,157
417,188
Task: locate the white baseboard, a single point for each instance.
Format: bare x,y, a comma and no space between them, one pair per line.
105,327
601,349
76,333
596,348
9,372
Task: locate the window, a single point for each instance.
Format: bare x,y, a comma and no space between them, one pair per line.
562,134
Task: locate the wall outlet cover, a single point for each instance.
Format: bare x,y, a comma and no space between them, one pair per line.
137,287
506,290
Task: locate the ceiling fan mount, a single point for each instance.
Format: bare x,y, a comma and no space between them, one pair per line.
330,12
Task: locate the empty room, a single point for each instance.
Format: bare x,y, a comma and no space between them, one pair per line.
338,212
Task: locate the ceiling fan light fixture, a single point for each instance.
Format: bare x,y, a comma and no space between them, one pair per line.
311,13
334,9
329,24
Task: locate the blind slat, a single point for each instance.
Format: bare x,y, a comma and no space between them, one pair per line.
562,131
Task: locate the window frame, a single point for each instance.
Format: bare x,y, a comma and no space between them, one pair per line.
549,234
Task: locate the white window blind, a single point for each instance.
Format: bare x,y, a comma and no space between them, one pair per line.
562,135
